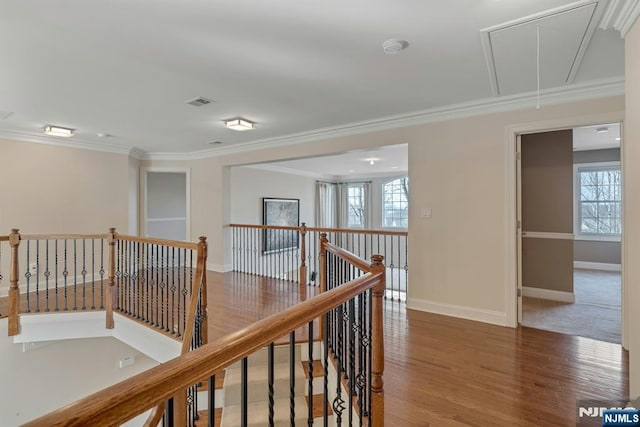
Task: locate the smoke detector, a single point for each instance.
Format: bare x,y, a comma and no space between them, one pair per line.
393,46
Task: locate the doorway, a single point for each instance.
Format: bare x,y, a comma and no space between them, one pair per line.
165,204
569,198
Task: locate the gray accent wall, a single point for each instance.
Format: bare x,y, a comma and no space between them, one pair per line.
547,207
595,250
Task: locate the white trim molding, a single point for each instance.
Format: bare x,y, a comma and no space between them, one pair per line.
463,312
219,268
549,294
620,15
547,235
597,266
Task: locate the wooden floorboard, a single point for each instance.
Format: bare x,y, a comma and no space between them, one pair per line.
443,371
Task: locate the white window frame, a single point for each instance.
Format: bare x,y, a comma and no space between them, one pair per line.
382,212
364,201
578,234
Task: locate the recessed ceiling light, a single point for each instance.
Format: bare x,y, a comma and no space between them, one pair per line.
394,167
393,46
618,139
371,160
351,170
103,135
239,124
58,131
602,129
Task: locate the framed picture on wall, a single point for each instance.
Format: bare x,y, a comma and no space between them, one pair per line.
282,212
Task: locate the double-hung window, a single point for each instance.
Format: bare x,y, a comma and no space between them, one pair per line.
395,203
598,201
356,206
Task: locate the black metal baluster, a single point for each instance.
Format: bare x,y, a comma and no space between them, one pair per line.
84,274
270,379
56,276
168,413
244,397
75,274
37,276
185,291
338,402
93,274
292,378
325,365
310,382
27,275
101,274
47,273
65,273
352,356
369,297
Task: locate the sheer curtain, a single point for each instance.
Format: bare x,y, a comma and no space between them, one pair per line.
325,204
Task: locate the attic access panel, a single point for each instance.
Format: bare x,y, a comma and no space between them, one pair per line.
511,48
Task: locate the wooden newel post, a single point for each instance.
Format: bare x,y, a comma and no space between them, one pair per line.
303,254
203,253
377,345
14,290
111,288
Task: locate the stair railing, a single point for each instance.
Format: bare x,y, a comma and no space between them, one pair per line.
350,355
293,253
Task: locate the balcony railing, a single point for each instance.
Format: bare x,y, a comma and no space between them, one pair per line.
293,253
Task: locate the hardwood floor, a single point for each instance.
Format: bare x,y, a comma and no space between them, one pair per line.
442,371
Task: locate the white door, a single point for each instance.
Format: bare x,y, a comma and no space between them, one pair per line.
166,204
519,223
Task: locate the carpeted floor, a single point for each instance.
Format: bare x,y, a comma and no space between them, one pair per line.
595,314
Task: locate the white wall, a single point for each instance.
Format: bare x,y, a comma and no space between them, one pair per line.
46,378
458,258
631,173
47,189
250,184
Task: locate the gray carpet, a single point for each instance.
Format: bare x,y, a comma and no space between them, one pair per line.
595,314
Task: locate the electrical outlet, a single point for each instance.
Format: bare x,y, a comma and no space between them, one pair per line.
127,361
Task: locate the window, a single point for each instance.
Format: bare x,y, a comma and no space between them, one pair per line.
395,203
599,194
355,202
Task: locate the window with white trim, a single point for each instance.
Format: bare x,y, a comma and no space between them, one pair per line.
598,200
355,203
395,203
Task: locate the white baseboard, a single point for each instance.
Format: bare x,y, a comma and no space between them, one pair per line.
549,294
219,268
469,313
597,266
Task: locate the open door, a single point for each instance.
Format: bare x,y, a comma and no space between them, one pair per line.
519,223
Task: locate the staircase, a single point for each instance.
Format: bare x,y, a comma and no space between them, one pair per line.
229,415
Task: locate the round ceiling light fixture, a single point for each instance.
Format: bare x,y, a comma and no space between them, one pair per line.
394,46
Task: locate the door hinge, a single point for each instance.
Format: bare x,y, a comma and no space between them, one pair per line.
518,224
519,292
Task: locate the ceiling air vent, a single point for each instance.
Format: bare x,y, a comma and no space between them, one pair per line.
5,115
199,101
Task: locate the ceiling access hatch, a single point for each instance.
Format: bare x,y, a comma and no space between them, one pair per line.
511,49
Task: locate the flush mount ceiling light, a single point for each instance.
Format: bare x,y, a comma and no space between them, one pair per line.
393,46
58,131
602,129
371,160
239,124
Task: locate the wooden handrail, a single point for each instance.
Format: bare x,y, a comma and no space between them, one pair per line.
344,254
123,401
324,230
63,236
4,238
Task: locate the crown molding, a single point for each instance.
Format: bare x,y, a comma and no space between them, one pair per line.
290,171
620,15
570,93
74,143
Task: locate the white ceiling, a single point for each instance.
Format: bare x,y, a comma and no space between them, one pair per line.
389,160
588,137
126,67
